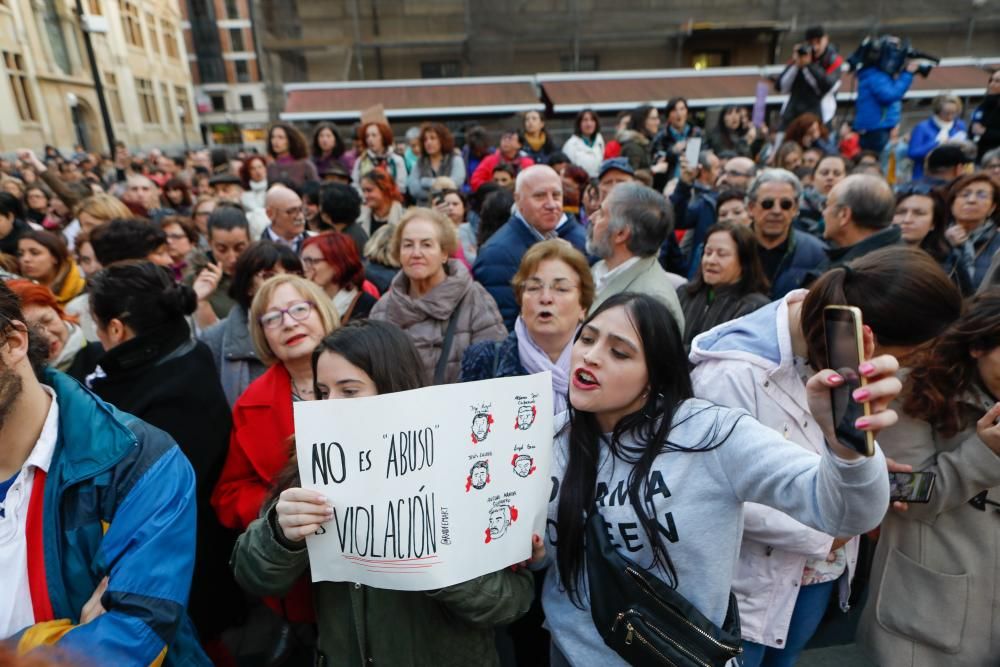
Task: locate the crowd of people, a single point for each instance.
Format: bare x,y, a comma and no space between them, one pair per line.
162,313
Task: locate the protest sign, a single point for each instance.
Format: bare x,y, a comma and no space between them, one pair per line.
430,487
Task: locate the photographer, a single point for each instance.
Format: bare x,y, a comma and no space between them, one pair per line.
811,79
881,86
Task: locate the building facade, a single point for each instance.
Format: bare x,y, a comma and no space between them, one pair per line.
48,94
222,52
337,40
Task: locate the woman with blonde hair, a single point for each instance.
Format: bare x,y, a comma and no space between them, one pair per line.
434,299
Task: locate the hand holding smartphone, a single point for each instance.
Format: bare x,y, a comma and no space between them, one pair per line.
844,354
911,487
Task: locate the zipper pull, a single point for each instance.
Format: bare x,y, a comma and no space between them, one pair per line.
630,634
618,619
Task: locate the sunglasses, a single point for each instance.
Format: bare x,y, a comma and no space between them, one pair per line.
768,204
914,189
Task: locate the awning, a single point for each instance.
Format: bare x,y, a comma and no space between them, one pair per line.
408,98
613,91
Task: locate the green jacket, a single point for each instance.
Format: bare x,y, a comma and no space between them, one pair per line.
449,626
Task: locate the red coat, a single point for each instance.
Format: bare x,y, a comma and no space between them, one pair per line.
259,447
484,172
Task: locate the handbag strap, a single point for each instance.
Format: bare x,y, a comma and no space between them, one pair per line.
449,335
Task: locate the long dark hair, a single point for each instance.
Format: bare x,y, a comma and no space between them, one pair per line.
752,277
579,120
903,294
637,439
948,370
383,351
935,243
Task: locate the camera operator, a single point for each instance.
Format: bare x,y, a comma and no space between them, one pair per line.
811,79
881,87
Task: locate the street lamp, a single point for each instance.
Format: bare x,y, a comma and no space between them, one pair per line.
87,26
181,113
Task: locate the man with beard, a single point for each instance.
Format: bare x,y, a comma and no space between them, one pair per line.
97,517
627,232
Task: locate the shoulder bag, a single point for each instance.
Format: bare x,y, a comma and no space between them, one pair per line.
643,619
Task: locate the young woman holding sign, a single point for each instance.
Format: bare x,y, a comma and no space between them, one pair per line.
669,475
358,624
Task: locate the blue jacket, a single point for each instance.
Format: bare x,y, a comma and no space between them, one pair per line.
499,259
880,99
923,139
805,253
119,501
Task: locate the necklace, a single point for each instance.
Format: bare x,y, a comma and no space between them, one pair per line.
299,392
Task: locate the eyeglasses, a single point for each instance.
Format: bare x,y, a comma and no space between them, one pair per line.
298,210
310,262
768,204
176,236
736,174
298,311
992,166
981,195
534,286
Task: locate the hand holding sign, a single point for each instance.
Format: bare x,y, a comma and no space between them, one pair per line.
426,494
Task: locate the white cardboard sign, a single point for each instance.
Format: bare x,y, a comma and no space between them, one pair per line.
430,487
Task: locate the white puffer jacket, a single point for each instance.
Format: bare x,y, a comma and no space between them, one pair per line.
748,363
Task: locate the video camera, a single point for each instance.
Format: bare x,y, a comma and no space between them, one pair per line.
890,53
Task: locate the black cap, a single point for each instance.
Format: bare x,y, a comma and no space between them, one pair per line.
225,178
951,154
814,32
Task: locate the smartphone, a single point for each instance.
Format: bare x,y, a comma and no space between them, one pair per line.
911,487
844,353
692,149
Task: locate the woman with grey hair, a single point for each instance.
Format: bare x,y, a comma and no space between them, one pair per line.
944,125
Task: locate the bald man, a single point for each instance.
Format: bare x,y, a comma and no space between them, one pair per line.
537,215
288,220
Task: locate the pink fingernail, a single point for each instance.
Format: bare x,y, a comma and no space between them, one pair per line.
836,379
861,394
862,423
866,368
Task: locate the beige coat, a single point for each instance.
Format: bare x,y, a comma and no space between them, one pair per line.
645,277
933,598
426,319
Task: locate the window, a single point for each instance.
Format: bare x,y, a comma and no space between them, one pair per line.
183,103
57,40
147,101
587,63
130,22
232,9
242,71
246,102
19,85
94,7
154,42
114,97
706,59
169,39
169,112
218,102
236,39
440,70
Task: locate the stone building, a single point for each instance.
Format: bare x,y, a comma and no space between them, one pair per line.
47,95
222,50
